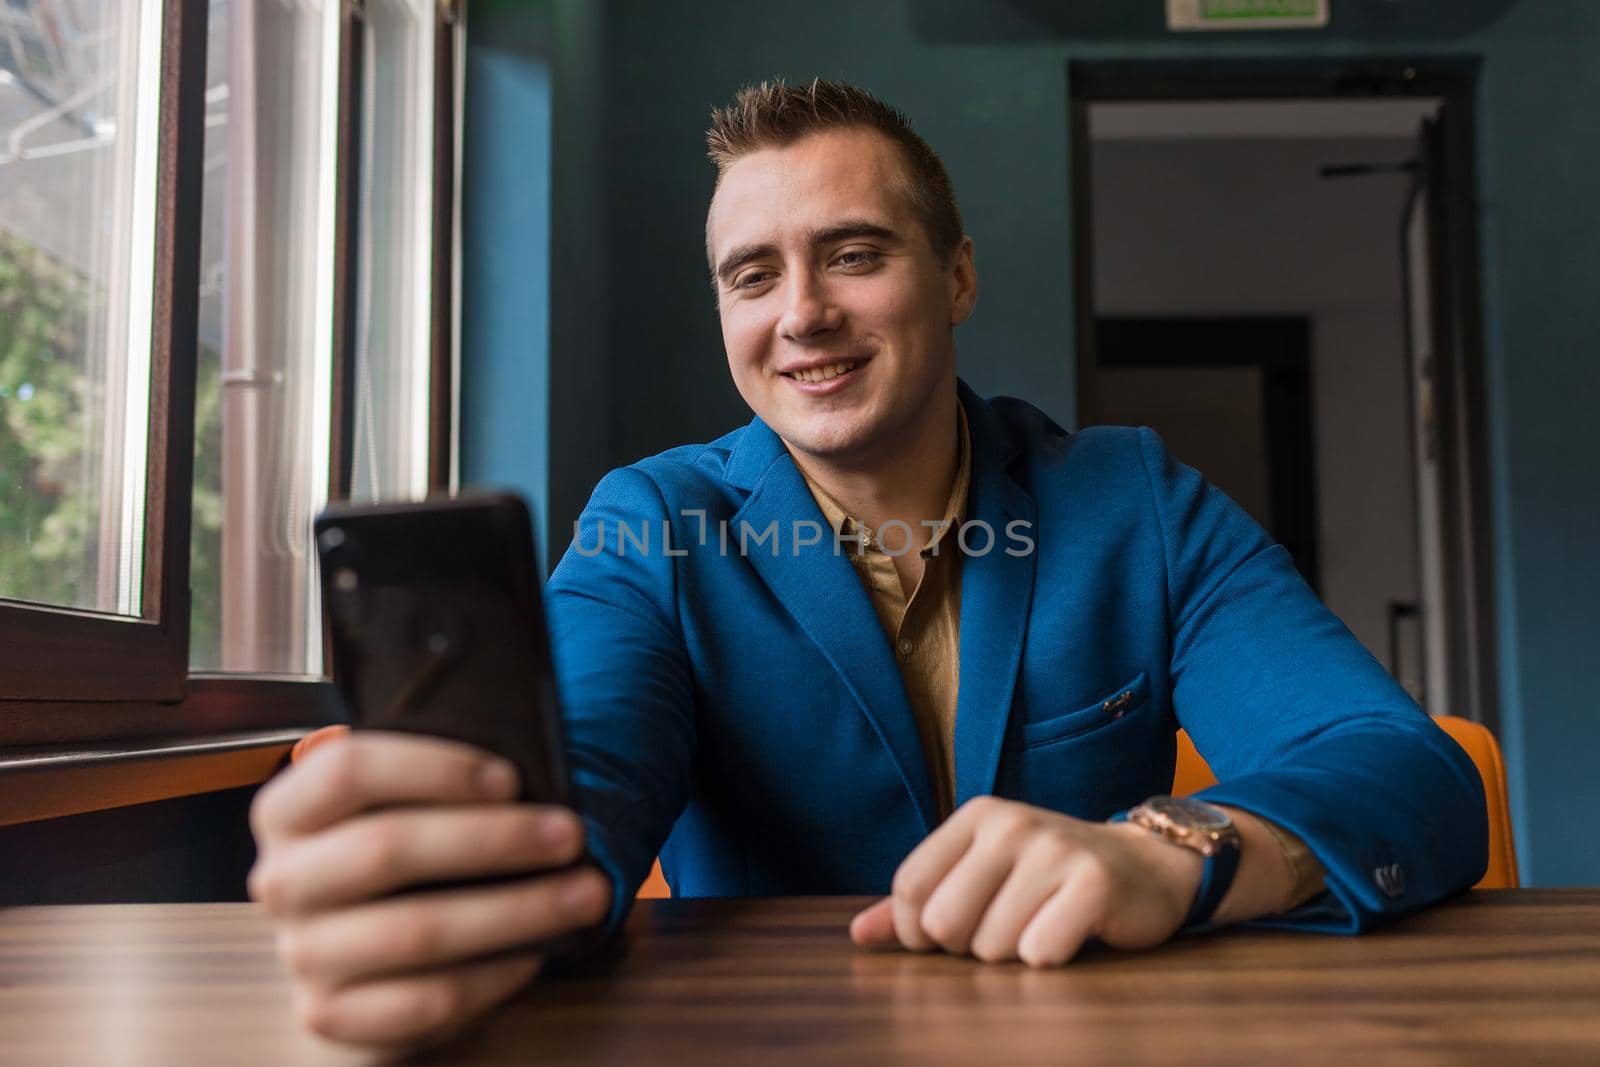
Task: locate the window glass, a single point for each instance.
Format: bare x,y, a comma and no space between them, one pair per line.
264,384
205,544
79,99
394,253
264,403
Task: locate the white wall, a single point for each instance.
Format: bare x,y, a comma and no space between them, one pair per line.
1241,227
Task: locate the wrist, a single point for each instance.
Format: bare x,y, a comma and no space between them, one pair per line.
1208,833
1265,880
1180,869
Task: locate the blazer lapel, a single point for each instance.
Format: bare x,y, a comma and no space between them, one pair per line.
823,593
996,597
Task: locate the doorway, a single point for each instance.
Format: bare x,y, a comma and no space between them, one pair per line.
1218,209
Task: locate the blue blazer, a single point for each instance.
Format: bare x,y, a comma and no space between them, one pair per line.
742,714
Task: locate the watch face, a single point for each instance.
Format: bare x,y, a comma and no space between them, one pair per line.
1191,813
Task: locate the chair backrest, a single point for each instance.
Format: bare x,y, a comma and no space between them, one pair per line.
1194,774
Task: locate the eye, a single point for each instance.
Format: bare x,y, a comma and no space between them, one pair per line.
857,258
752,279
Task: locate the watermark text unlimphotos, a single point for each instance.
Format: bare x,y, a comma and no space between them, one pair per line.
973,537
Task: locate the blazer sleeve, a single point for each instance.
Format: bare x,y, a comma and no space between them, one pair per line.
1301,725
624,680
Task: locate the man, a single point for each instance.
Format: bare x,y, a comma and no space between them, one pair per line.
888,637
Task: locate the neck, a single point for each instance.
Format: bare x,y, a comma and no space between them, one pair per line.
910,482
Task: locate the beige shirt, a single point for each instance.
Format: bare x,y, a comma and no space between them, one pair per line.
923,625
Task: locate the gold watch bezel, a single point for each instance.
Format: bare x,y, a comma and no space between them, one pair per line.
1194,824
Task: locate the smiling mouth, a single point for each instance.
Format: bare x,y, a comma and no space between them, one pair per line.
823,374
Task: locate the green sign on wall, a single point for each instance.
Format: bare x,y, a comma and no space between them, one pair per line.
1246,14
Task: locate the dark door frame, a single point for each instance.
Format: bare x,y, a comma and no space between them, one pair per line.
1453,79
1280,346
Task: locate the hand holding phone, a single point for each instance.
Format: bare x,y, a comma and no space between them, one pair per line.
357,820
454,782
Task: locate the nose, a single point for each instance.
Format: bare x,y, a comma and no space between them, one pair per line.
808,313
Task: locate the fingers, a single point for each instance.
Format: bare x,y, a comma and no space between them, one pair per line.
922,871
371,855
403,1010
359,819
961,901
1064,922
1003,881
376,769
430,930
874,926
1039,874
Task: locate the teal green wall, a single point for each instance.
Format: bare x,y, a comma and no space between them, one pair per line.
986,83
505,239
1539,173
534,311
581,305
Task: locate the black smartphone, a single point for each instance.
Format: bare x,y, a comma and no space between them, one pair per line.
436,627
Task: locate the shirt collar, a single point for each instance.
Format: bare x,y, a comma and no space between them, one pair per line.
954,508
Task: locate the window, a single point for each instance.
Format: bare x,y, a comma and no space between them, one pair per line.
78,107
226,280
394,313
264,410
95,306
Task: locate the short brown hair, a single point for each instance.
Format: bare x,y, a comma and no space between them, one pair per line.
774,114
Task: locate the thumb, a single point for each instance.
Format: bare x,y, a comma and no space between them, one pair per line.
875,925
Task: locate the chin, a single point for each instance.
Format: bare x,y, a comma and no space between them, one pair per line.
829,444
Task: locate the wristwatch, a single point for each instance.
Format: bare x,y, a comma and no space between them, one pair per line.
1199,826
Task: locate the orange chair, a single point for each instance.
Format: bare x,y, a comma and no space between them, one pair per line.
655,887
1194,774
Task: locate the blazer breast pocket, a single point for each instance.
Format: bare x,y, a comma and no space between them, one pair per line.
1119,703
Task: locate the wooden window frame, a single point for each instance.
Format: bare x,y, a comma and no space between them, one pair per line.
51,653
79,690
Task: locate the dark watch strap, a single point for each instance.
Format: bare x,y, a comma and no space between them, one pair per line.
1216,877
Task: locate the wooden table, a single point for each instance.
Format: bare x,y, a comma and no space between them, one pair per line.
1508,976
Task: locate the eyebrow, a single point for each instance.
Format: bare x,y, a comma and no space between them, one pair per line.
849,229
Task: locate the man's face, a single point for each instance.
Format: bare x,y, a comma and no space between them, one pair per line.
836,313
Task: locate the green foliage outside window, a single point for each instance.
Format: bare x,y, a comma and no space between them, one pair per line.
47,541
205,535
49,533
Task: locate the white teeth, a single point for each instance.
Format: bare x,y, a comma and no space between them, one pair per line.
822,374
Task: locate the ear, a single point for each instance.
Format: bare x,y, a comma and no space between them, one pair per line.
963,282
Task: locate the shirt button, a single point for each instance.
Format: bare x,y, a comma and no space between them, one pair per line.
905,647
